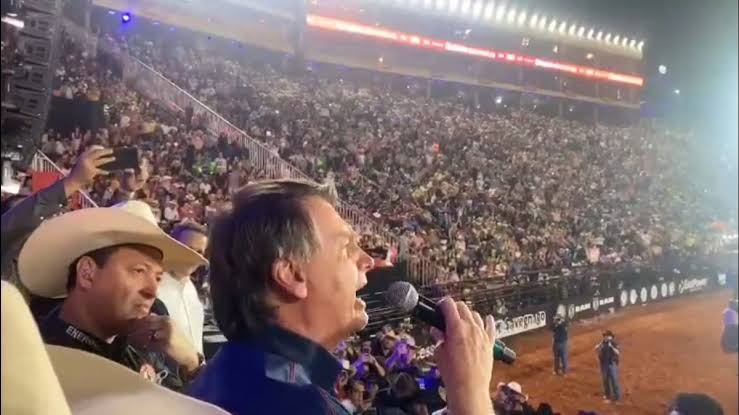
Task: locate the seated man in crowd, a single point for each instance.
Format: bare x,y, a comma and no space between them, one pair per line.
177,291
509,400
108,263
358,398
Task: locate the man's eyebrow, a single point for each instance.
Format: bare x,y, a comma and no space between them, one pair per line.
347,234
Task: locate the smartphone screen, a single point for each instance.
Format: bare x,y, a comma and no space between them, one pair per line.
125,158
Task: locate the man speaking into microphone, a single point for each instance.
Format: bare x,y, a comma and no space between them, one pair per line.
284,272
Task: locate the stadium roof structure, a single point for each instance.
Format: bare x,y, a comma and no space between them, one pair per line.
504,15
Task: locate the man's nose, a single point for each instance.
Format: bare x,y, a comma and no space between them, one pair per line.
365,262
150,288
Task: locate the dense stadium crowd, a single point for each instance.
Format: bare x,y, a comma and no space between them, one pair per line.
392,372
482,194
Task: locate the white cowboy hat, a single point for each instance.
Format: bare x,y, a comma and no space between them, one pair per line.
38,380
44,260
28,383
116,390
515,387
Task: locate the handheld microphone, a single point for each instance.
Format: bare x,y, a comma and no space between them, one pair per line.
403,295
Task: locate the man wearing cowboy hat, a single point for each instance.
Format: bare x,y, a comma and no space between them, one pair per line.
609,355
57,380
107,264
559,345
285,269
509,398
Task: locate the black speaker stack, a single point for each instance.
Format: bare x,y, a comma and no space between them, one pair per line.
31,32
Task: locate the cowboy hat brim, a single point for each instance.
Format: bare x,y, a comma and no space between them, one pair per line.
95,385
29,384
44,260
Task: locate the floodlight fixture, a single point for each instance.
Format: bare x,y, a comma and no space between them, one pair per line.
500,12
521,17
511,15
533,20
477,9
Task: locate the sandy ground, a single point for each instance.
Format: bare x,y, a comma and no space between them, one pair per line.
666,348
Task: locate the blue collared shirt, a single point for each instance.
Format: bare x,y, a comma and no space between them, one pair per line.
278,373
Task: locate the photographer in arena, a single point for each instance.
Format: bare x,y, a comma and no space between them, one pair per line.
608,355
559,345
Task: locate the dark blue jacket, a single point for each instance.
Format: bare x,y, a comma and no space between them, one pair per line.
560,332
278,373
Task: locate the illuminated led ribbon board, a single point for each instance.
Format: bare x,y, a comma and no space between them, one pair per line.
337,25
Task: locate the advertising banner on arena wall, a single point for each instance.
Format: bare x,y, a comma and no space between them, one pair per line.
646,292
643,293
693,284
579,307
521,322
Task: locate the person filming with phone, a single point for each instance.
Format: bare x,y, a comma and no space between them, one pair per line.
559,345
609,356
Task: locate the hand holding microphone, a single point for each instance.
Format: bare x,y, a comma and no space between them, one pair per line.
404,296
464,356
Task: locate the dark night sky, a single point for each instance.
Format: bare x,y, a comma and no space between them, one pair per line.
696,40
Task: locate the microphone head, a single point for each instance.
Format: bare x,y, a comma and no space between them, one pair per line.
509,356
402,295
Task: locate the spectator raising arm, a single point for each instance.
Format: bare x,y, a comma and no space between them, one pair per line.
27,215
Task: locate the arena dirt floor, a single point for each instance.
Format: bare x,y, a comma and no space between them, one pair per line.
667,348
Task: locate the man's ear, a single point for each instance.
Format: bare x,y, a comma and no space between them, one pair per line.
289,276
86,268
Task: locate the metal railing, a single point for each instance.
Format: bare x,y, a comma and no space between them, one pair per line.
157,87
42,163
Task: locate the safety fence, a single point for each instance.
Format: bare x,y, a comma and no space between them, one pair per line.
587,293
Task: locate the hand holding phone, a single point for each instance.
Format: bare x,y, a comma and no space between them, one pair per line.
125,158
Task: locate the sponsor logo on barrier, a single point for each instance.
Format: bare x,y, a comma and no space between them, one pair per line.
692,285
562,310
571,311
582,307
663,290
643,294
597,302
653,293
624,298
632,296
511,326
672,288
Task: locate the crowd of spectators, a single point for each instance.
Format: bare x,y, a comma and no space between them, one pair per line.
394,373
483,194
480,193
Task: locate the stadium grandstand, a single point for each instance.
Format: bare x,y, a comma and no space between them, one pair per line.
488,151
495,55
